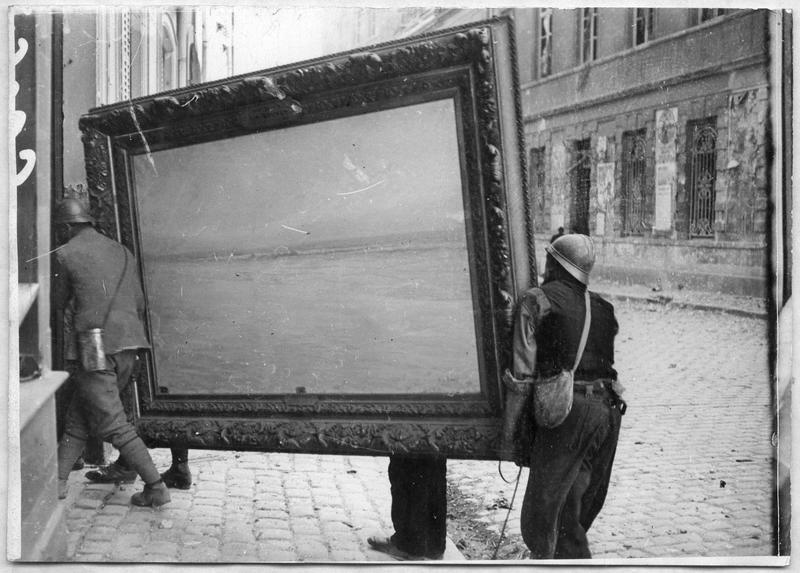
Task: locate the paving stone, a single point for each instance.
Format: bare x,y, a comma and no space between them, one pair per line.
264,535
201,530
304,523
94,547
100,533
310,549
203,554
273,523
161,547
276,554
347,555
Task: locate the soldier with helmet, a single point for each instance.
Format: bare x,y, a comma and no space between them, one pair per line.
570,463
98,276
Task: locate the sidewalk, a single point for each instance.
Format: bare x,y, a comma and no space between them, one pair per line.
698,300
242,507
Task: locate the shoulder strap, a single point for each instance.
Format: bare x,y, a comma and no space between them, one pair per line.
585,334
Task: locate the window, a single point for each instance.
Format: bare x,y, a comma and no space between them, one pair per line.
537,181
545,41
706,14
634,182
588,34
701,176
643,31
167,55
581,184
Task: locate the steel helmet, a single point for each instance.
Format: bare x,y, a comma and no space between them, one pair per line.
575,253
72,211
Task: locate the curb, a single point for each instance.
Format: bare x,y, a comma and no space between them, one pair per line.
683,304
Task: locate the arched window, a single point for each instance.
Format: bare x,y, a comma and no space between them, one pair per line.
635,189
701,176
167,54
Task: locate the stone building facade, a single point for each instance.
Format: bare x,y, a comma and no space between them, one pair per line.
649,130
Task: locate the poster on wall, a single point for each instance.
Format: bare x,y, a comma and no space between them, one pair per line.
665,152
605,194
559,167
665,184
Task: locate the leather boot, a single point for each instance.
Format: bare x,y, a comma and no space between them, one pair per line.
112,473
178,476
154,495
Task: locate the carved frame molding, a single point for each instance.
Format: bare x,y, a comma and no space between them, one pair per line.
453,63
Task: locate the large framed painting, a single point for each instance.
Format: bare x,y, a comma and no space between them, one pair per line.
330,251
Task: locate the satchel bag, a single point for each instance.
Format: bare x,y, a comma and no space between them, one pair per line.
552,396
90,342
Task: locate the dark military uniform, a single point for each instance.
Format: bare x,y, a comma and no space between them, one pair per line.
99,276
570,464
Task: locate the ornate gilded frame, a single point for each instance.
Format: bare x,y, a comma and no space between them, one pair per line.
474,64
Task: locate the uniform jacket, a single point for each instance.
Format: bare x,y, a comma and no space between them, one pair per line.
548,330
90,268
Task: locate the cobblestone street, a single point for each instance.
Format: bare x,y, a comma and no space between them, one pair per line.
693,474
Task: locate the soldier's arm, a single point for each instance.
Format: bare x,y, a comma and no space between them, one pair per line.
533,307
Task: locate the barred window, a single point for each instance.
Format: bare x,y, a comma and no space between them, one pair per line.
588,34
701,176
581,185
645,18
545,41
634,182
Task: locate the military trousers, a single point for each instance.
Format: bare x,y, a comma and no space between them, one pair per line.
96,409
569,477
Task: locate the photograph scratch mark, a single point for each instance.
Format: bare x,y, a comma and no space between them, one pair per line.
296,230
367,188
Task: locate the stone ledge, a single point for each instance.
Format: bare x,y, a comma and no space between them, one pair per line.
34,394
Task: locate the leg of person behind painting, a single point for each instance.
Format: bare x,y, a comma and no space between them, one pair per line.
419,508
178,475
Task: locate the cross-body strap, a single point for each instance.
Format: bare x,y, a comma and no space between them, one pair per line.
119,284
585,334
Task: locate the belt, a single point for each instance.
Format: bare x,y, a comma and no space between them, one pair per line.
590,387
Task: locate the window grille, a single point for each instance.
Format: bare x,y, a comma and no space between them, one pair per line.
545,41
645,18
581,184
634,182
537,180
701,163
588,34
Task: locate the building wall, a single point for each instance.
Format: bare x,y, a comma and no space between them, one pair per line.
728,84
80,88
717,70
